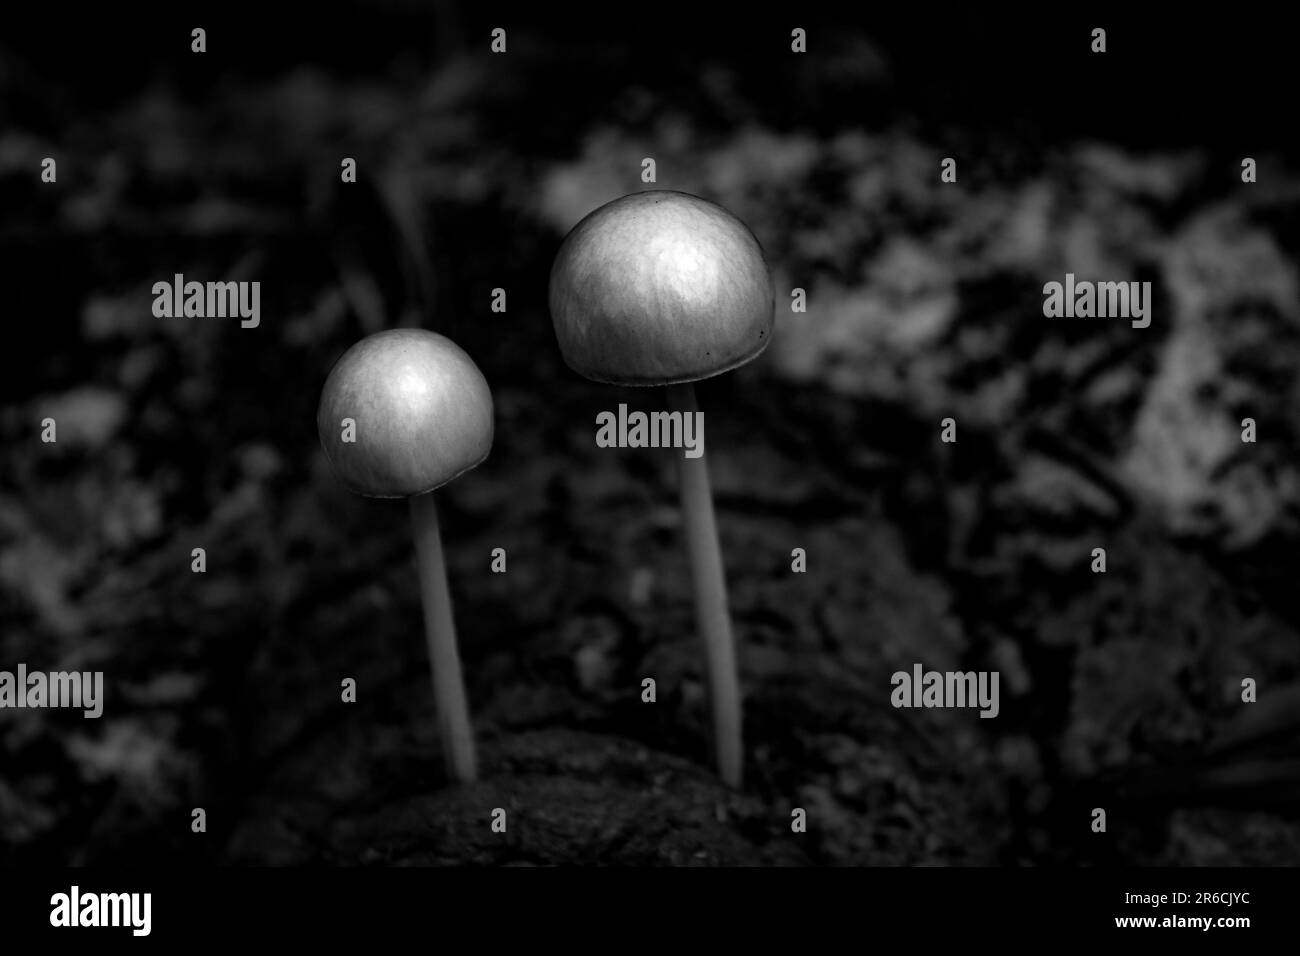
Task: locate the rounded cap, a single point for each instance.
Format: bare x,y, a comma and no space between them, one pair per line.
422,413
660,287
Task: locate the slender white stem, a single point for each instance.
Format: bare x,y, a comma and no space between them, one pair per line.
712,619
440,630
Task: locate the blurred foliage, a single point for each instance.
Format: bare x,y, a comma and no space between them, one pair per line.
924,301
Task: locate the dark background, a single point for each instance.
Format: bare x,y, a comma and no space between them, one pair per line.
1118,690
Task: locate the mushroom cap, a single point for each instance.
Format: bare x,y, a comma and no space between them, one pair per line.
660,287
423,414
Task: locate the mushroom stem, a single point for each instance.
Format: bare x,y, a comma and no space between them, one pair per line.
448,689
712,619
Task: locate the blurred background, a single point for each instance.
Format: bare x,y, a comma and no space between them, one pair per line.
1118,691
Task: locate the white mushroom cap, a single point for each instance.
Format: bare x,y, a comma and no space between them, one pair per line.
660,287
423,414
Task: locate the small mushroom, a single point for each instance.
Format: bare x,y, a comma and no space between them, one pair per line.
664,288
422,415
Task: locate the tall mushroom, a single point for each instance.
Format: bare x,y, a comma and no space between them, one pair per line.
663,288
404,412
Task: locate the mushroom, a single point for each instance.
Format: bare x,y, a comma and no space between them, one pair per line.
664,288
422,415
